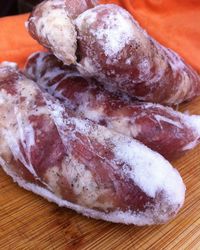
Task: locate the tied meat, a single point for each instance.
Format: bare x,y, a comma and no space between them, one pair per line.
78,164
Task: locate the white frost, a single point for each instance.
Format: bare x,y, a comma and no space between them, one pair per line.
194,122
115,32
57,28
148,217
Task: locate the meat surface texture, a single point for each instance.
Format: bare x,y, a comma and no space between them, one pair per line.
78,164
161,128
51,23
110,46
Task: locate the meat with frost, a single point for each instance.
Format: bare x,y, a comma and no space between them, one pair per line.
161,128
114,49
51,24
78,164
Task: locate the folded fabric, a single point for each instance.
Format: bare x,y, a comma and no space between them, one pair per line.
173,24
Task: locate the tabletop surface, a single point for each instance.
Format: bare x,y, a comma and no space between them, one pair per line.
27,221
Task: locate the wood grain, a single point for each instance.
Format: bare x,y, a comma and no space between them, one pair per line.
29,222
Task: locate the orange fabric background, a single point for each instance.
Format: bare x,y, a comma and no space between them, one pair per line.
174,23
15,43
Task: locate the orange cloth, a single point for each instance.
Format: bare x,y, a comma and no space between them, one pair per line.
15,42
174,23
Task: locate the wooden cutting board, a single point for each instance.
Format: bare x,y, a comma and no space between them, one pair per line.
27,221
